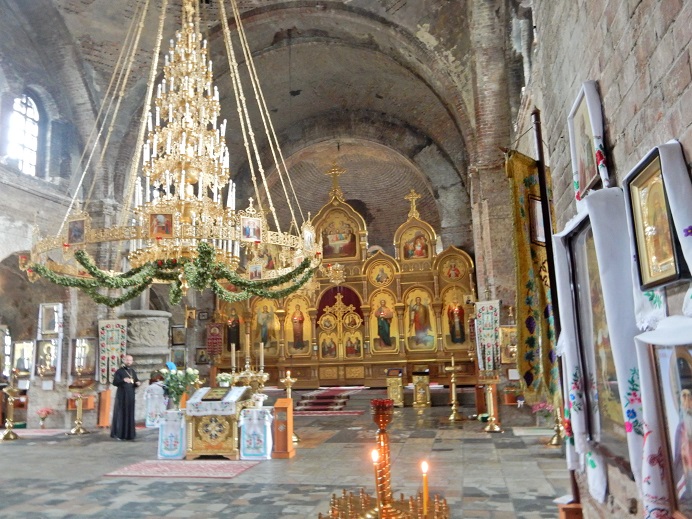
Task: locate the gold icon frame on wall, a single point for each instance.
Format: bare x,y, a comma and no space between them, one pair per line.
449,295
327,322
381,274
376,343
453,269
416,244
508,344
340,236
258,318
352,321
289,333
328,346
419,319
657,255
353,345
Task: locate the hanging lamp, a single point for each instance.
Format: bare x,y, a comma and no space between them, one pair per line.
179,223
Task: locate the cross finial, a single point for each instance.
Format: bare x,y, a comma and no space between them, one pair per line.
412,197
335,172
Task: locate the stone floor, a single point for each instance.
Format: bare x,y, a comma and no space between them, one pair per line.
494,476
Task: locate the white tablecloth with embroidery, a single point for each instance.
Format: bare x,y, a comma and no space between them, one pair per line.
256,434
196,406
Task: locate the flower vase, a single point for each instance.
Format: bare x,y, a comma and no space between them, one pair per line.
42,423
224,384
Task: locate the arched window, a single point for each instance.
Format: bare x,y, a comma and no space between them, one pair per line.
5,350
23,135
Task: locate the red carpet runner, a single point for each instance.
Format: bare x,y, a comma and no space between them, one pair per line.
326,399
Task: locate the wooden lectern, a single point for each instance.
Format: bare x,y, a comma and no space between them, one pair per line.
283,429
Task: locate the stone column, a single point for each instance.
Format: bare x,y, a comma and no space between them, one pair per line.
147,342
491,203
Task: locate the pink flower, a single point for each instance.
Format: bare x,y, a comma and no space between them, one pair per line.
44,412
628,426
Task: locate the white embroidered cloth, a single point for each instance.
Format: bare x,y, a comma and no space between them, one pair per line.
224,407
672,331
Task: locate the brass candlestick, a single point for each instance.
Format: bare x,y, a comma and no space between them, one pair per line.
454,416
12,393
382,415
492,426
556,440
288,382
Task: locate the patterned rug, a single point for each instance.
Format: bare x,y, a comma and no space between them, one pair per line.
32,433
192,469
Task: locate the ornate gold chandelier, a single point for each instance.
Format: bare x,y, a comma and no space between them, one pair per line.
179,222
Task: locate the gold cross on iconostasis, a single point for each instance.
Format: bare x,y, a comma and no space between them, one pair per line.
412,197
335,172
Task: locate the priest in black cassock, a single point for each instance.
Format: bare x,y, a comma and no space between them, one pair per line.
123,422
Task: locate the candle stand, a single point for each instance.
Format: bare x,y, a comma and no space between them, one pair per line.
12,393
454,416
79,389
383,506
492,426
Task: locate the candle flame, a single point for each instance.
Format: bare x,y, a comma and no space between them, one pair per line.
424,467
375,455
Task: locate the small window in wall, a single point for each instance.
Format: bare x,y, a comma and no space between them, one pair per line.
5,351
23,135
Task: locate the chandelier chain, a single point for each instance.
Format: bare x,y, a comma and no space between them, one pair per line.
266,118
100,121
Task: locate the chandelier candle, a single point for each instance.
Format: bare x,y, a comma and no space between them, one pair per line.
174,219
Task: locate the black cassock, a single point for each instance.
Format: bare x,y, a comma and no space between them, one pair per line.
123,422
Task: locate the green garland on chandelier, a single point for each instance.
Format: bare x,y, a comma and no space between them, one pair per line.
200,273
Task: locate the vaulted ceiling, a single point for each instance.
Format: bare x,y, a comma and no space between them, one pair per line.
382,87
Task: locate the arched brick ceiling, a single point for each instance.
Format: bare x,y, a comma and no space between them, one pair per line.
393,77
375,182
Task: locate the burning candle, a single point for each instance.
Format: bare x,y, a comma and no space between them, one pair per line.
261,355
424,469
375,461
233,355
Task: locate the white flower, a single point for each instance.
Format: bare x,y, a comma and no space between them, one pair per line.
195,371
164,371
180,374
189,371
173,372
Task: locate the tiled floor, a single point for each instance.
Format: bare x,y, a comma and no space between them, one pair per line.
481,475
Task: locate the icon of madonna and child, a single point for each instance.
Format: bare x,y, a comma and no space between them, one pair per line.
417,247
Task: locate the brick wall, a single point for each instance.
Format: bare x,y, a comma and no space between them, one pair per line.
638,52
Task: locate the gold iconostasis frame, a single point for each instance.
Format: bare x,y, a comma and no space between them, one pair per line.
410,311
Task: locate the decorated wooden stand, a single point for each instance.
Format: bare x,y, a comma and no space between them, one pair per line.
283,429
212,421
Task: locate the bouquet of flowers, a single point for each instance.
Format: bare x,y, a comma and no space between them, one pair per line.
44,412
545,409
224,379
176,382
